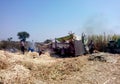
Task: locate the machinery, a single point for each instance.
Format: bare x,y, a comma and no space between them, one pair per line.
68,46
113,46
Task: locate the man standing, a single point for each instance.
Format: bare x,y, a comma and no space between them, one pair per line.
91,47
22,46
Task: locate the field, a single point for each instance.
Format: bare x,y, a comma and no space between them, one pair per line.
31,68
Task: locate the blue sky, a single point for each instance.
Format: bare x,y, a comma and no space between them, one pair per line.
45,19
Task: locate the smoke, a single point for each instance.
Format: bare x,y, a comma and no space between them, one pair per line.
95,25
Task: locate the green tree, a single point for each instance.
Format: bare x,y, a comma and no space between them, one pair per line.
23,35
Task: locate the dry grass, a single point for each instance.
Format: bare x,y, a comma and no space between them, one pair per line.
16,74
44,69
101,41
58,71
3,65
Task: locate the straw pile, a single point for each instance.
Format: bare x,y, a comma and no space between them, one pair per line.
31,68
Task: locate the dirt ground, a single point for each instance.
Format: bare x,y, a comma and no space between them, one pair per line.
31,68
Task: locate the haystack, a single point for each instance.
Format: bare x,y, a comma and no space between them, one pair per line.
16,73
33,54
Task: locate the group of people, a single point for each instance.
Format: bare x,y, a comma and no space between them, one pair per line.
31,47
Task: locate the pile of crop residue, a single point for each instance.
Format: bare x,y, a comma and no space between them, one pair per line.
18,68
34,69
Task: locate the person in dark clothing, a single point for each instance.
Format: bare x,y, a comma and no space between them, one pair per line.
22,46
71,48
91,47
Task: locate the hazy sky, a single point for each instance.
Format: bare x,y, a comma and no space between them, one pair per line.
45,19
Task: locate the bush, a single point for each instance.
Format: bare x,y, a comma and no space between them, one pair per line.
9,44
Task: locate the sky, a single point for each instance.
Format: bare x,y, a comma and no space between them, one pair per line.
49,19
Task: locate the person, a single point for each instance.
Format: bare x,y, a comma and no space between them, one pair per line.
91,47
22,46
71,48
39,51
85,41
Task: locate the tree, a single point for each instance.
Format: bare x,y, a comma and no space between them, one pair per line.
23,35
48,41
10,39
